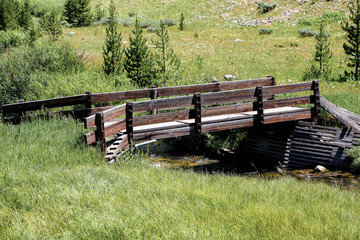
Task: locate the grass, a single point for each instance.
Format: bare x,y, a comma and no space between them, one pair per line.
53,187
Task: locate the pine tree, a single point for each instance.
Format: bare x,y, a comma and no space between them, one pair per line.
323,53
167,58
138,62
24,18
83,13
77,12
352,28
9,14
50,23
112,52
182,22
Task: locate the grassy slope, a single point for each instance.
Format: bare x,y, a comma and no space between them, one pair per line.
52,187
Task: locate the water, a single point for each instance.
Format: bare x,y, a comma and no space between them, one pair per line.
165,155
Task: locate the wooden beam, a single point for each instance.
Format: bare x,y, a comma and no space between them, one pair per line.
109,114
129,122
197,105
100,131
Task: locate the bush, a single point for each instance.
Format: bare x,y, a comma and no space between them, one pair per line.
332,17
307,32
169,22
306,22
153,29
132,14
12,39
144,24
265,31
266,7
127,22
24,67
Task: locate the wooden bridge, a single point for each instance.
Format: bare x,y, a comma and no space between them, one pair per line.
183,110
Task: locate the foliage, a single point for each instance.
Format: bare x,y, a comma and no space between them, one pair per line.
182,22
168,22
139,63
354,154
99,12
112,50
77,12
50,23
266,7
12,38
24,18
132,14
153,29
24,67
323,53
9,14
352,29
265,31
306,33
167,59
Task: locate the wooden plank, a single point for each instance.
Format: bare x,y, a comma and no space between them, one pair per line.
115,127
288,102
300,115
41,104
109,114
100,131
288,88
180,90
162,134
213,127
90,138
338,113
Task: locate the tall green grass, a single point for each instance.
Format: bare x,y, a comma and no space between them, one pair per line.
52,186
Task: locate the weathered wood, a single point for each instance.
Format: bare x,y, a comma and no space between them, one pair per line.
129,122
100,130
259,105
120,144
316,99
197,105
338,113
109,114
41,104
154,94
287,102
301,114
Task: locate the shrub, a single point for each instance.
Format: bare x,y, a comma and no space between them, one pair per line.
24,67
305,22
265,31
331,17
132,14
182,22
127,22
307,32
153,29
266,7
12,39
144,24
169,22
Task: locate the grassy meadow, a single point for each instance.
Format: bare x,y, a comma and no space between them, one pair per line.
53,187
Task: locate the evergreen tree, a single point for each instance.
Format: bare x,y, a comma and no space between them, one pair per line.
352,28
167,58
24,19
83,13
112,52
323,53
182,22
50,23
77,12
138,62
9,14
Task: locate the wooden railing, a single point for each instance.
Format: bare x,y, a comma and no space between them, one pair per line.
17,110
203,106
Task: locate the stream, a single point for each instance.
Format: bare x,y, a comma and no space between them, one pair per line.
162,154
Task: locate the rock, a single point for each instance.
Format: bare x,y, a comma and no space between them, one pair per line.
213,79
320,168
72,33
228,77
238,40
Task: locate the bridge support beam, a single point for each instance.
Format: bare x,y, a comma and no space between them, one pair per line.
129,122
197,104
100,131
260,105
315,99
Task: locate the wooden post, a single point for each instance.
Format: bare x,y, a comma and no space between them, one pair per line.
153,96
197,104
315,99
217,89
260,105
89,103
129,122
273,83
100,131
